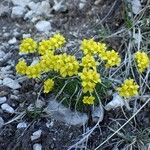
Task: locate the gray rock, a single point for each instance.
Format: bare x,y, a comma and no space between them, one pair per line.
59,6
18,12
61,113
7,108
26,35
21,125
12,41
2,100
37,146
2,54
1,122
43,26
13,84
36,135
21,3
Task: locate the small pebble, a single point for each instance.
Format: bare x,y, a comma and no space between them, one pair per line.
36,135
12,41
2,100
7,108
1,122
37,146
21,125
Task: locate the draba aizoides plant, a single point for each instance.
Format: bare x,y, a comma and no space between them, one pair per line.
58,65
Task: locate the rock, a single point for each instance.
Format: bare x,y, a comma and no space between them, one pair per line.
61,113
18,12
1,122
4,10
13,84
2,100
136,6
43,26
39,103
26,35
2,54
7,108
1,82
98,113
59,6
37,146
21,3
44,8
36,135
12,41
117,101
29,15
21,125
82,4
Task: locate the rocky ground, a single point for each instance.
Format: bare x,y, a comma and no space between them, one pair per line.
26,119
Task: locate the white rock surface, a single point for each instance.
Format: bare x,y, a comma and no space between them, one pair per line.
21,3
26,35
61,113
98,113
36,135
18,12
7,108
21,125
13,84
44,8
1,122
2,54
12,41
43,26
37,146
136,6
82,4
2,100
117,101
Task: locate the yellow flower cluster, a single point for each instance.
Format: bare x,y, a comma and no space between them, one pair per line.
21,67
90,47
48,62
34,71
88,100
89,62
28,45
48,85
89,79
44,47
142,60
128,89
112,59
66,65
57,41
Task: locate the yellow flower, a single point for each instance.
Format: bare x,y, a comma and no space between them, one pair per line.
66,65
88,100
88,46
48,61
57,41
21,67
89,62
101,50
28,45
128,89
34,71
112,59
48,85
89,79
44,47
142,61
